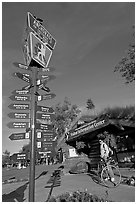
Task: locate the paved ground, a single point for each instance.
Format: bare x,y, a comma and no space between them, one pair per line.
19,191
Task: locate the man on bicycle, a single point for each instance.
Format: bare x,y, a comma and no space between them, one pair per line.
105,152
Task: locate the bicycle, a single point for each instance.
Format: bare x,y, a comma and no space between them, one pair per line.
104,173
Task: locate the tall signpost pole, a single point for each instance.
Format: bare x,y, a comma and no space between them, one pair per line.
33,136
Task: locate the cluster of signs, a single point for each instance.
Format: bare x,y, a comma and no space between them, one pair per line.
38,45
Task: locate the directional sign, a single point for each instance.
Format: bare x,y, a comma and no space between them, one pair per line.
43,34
48,77
44,126
47,69
19,115
44,88
27,87
18,124
21,92
44,116
19,106
22,76
19,136
22,66
45,109
46,97
41,135
19,98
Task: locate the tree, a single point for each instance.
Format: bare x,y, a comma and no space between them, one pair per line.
5,157
64,116
127,64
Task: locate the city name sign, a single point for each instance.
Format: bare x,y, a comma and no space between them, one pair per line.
21,92
19,98
44,116
44,126
19,106
45,109
22,66
19,115
18,124
19,136
22,76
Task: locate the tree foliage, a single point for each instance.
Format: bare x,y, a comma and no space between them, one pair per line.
64,115
127,64
90,104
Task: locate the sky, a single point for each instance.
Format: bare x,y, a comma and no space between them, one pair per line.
92,37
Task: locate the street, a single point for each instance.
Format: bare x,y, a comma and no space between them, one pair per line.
71,182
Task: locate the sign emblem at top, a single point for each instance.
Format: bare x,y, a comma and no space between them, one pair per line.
43,34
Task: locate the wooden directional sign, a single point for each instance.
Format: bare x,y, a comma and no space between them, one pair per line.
45,116
19,136
19,115
21,92
19,106
46,97
44,126
22,66
19,98
18,124
45,109
22,76
48,77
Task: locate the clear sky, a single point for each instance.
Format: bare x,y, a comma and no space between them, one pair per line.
91,37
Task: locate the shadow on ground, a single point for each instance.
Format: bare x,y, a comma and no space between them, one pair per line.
95,177
18,194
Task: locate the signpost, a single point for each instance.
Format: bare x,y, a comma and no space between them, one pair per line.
19,98
18,124
19,136
19,115
46,97
19,106
38,45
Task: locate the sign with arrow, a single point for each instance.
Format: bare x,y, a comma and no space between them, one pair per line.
44,88
27,87
46,97
42,135
19,136
21,92
48,77
44,126
19,98
18,124
19,115
22,76
44,116
19,106
45,109
22,66
47,69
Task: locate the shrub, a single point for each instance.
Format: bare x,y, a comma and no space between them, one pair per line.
77,196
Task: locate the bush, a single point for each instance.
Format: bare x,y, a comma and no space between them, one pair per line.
77,196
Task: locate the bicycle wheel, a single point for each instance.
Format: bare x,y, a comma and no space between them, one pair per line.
106,179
